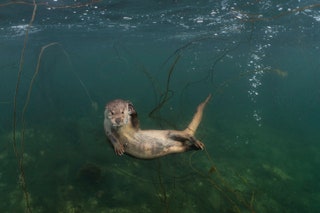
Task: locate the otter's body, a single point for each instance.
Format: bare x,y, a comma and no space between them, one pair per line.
122,128
148,144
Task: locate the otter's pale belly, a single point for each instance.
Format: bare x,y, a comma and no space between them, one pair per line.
148,144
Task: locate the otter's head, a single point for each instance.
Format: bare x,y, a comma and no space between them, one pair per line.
118,112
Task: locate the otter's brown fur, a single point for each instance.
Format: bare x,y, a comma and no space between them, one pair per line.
121,126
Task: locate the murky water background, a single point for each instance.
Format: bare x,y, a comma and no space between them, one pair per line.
259,60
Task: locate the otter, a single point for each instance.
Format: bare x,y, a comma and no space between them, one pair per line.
121,126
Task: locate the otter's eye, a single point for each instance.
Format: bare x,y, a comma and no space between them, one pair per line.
122,112
111,113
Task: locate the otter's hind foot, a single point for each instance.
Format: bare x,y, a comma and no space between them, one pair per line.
183,137
197,143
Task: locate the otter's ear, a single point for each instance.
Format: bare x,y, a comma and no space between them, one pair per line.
131,108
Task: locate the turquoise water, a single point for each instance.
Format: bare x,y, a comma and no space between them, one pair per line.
259,60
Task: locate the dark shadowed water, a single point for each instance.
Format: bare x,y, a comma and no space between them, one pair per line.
61,61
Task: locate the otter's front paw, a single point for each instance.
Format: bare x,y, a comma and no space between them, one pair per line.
118,149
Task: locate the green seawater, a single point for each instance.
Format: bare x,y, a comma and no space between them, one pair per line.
259,60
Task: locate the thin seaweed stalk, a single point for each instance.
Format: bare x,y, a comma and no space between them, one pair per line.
168,93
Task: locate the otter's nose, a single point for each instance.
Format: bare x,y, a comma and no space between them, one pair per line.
118,120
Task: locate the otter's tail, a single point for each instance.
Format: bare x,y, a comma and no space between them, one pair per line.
192,127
